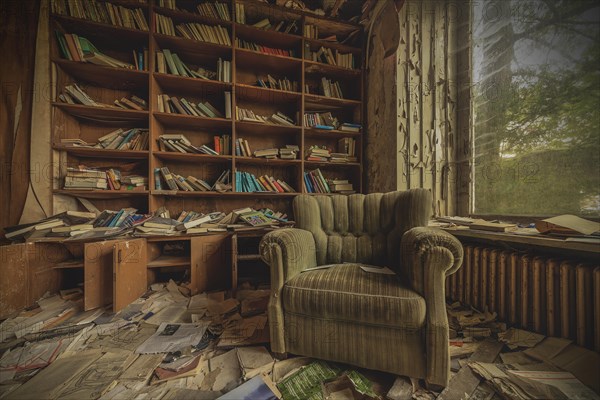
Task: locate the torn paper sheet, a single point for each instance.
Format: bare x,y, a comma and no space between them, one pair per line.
141,369
224,373
378,270
254,361
173,337
520,338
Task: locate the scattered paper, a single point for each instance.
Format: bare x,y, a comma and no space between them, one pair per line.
520,338
173,337
258,388
378,270
254,361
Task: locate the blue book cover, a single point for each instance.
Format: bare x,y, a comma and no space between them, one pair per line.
157,184
113,221
326,127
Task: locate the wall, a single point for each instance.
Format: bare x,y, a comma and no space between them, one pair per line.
421,126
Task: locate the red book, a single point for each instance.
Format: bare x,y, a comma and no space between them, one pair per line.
277,185
217,141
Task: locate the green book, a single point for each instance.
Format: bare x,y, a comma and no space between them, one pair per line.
170,61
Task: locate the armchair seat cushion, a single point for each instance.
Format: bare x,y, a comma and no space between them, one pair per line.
344,292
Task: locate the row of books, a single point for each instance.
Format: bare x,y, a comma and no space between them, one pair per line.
119,139
179,143
73,94
329,88
80,49
170,63
279,84
281,26
193,30
312,32
101,11
244,44
164,179
248,182
214,10
84,178
327,56
323,154
289,152
328,122
315,182
176,105
278,118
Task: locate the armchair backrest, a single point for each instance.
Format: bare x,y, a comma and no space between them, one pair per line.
362,228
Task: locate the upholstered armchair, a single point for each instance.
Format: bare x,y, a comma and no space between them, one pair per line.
393,323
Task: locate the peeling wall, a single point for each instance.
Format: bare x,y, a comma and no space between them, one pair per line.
421,126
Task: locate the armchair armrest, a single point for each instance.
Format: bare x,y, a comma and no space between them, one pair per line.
428,256
287,252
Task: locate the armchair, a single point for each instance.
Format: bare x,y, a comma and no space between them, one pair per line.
342,313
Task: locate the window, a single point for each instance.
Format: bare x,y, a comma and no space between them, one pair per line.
536,102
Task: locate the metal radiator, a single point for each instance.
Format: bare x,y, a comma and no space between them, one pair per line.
555,297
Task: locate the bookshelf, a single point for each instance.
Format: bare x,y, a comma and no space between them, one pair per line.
105,84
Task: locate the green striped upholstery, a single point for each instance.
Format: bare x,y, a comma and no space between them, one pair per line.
397,323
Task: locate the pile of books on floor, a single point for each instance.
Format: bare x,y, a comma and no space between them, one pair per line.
180,143
327,56
101,11
77,48
277,118
176,105
119,139
316,153
279,84
329,88
323,120
84,178
170,63
164,179
243,44
281,26
248,182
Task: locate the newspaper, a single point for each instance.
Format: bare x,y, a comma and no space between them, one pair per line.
173,337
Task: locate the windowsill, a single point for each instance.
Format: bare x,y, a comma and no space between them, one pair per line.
541,242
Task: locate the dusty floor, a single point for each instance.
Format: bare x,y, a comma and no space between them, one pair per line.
168,345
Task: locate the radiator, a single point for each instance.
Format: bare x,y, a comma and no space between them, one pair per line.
555,297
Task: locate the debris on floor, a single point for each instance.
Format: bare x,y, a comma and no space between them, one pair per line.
169,345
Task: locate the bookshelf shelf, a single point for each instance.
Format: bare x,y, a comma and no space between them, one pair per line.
175,83
92,152
103,113
106,84
313,67
104,76
169,261
191,121
171,155
271,61
101,194
89,27
266,161
260,94
184,45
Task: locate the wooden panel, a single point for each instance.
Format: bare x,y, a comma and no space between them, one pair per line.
484,277
211,263
14,282
41,259
493,281
476,267
524,292
597,309
129,279
567,300
513,263
234,261
552,297
584,287
502,285
468,273
538,285
98,274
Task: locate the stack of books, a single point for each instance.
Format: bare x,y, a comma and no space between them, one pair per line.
327,56
164,179
130,139
315,182
77,48
125,218
279,84
266,153
68,223
342,186
101,11
348,127
168,62
247,182
281,26
132,103
215,10
193,31
330,88
176,105
320,121
73,94
278,118
338,158
289,152
83,178
243,44
316,153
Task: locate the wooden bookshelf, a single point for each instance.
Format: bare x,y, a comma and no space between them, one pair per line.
105,84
